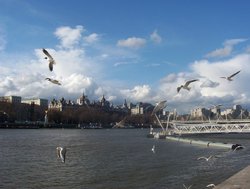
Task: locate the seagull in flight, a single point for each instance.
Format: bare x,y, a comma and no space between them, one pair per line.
229,78
185,86
53,81
51,59
61,153
199,158
153,149
159,106
187,187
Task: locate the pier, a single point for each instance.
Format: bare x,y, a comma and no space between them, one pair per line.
203,143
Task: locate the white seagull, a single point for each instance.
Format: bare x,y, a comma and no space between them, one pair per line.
229,78
210,185
153,149
53,81
185,86
51,59
187,187
199,158
61,153
159,106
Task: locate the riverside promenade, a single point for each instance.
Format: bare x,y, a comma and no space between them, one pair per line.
240,180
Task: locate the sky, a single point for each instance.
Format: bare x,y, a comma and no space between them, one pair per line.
136,50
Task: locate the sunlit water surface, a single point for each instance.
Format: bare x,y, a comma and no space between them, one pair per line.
112,159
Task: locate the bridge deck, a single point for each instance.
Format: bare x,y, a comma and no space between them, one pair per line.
211,128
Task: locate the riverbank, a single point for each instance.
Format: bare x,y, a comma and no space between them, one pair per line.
238,181
38,125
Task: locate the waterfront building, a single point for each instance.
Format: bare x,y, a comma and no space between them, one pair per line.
199,112
83,100
142,108
237,112
104,102
36,101
138,109
58,105
11,99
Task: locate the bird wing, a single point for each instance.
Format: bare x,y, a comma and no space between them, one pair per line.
47,54
190,81
58,152
201,158
234,74
178,89
159,106
209,157
63,154
51,66
57,82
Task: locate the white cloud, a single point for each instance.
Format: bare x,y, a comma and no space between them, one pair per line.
138,93
69,36
92,38
227,49
155,37
132,42
221,52
79,73
210,84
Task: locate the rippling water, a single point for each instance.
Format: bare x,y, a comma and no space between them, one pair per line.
112,159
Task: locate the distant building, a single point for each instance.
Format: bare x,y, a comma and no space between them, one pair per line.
57,104
104,102
11,99
141,108
37,101
237,112
138,109
83,100
200,113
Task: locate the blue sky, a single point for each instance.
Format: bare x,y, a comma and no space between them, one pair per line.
135,50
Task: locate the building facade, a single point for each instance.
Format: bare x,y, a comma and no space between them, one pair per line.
11,99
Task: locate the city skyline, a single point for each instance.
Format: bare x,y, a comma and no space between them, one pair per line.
127,50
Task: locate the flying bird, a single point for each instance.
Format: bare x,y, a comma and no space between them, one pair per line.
229,78
185,86
51,59
159,106
61,153
153,149
53,81
199,158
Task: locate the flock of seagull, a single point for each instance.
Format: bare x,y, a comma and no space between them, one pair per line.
186,85
61,151
51,63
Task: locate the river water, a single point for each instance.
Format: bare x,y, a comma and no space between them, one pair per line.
112,159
